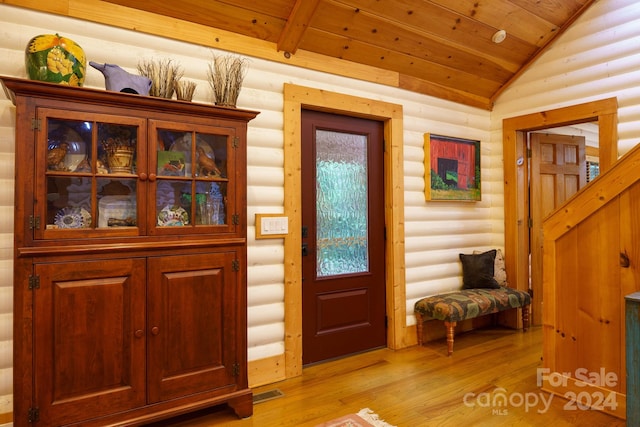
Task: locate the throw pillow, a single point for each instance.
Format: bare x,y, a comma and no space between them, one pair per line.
477,270
499,268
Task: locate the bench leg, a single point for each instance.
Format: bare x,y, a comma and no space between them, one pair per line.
525,318
451,328
419,327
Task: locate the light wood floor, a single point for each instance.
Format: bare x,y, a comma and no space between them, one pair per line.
418,386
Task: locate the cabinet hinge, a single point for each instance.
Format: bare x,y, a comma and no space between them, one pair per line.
35,124
34,222
529,153
236,141
33,415
34,282
236,369
235,265
235,219
530,222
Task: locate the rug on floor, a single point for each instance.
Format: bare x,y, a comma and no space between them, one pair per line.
365,418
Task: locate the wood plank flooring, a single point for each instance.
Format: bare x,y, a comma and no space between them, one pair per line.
420,386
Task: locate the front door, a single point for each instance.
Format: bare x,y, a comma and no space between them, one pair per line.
343,267
558,171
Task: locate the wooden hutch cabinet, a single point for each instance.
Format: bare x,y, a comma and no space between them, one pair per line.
130,257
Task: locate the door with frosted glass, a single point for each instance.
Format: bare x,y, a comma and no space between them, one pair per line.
343,263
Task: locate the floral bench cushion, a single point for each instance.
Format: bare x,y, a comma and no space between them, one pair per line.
470,303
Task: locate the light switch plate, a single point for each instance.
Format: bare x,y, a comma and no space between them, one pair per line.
271,226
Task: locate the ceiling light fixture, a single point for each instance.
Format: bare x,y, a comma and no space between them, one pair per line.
499,36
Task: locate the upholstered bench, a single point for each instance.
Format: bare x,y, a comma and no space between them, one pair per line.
481,295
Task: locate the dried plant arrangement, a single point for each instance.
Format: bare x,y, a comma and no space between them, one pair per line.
225,76
184,89
163,74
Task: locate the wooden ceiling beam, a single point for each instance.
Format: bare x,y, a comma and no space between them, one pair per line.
296,25
425,87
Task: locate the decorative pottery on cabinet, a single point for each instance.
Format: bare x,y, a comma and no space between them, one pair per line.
55,59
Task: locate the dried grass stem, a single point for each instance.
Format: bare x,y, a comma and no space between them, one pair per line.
163,74
184,89
225,76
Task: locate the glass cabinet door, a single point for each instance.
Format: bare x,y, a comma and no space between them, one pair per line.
195,168
88,165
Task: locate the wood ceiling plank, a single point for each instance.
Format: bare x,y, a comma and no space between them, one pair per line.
276,8
296,25
441,25
417,35
505,15
555,11
429,88
58,7
363,53
214,14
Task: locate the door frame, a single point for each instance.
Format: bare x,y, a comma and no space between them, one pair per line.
295,99
516,194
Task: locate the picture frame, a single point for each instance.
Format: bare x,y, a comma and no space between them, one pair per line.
452,168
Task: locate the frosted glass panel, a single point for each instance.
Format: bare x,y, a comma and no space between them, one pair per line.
341,203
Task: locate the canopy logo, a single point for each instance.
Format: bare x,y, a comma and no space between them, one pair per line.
499,400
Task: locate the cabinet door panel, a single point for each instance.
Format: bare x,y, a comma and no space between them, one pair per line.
195,178
192,319
88,355
87,165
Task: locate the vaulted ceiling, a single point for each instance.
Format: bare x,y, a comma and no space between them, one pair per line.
442,48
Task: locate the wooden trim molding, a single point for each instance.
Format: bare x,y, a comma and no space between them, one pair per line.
295,99
516,194
266,371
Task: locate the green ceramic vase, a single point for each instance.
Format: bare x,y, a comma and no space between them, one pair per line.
55,59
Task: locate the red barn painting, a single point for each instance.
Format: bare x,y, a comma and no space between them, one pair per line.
453,168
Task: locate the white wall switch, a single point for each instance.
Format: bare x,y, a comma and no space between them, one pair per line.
271,226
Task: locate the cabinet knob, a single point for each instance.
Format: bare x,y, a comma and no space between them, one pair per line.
143,176
152,177
139,333
155,330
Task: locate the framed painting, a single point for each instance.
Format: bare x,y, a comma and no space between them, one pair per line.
452,168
